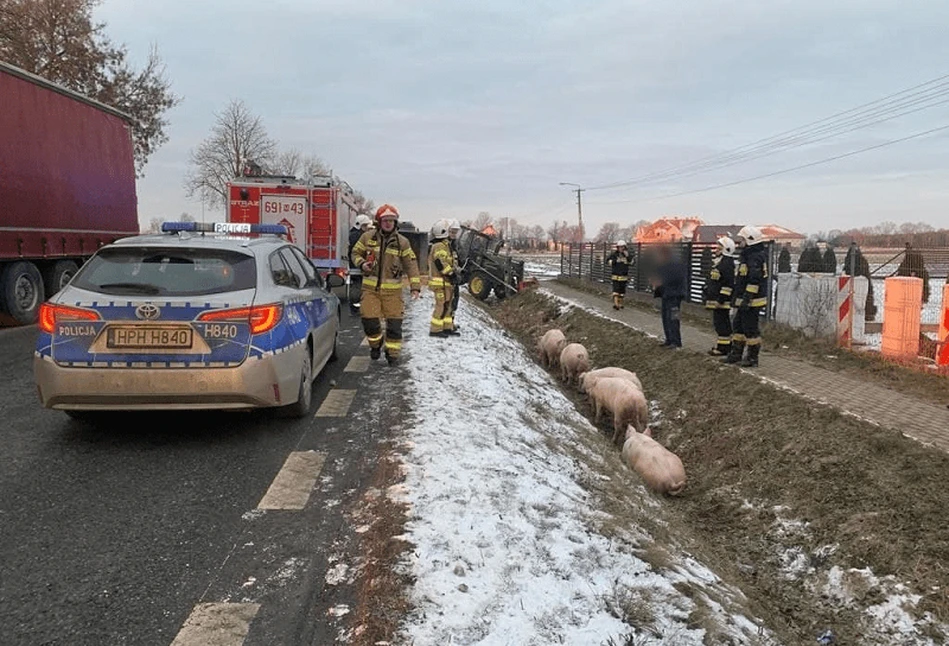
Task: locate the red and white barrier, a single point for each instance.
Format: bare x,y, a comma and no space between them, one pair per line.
845,311
942,354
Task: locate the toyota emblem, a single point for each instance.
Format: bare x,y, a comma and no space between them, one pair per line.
147,312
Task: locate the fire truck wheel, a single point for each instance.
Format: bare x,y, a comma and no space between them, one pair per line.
21,291
58,276
479,285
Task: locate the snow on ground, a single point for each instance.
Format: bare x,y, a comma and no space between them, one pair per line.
506,550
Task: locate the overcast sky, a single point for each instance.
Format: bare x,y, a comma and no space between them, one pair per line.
447,108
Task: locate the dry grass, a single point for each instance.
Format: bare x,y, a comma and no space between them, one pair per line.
879,496
382,601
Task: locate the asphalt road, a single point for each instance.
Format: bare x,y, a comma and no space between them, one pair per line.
112,534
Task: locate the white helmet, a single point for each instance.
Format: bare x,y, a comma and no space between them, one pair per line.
454,226
620,243
363,220
440,230
752,235
727,245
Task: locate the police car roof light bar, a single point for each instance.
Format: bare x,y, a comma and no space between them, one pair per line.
224,227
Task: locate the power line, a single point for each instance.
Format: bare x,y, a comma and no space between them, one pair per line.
784,171
861,116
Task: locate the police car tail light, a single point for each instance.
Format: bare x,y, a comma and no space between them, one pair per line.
51,314
262,318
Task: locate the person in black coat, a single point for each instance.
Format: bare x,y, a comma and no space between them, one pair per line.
619,262
669,284
719,285
750,297
360,226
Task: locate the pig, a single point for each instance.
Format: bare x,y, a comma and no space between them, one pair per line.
550,346
624,400
574,359
588,379
660,468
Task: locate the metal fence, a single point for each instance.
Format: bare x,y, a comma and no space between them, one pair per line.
587,261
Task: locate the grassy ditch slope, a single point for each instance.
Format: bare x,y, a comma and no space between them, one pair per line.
825,522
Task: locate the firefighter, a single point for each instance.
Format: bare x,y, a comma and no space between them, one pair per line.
385,257
360,226
750,297
718,294
619,262
454,230
441,272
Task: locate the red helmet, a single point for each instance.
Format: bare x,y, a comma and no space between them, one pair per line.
386,210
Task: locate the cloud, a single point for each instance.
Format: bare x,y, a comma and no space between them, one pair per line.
460,107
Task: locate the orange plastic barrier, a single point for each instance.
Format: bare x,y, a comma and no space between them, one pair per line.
942,355
901,317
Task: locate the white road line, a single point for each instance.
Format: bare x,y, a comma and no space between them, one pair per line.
365,342
217,624
294,483
358,363
337,403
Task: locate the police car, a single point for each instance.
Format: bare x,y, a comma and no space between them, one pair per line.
201,316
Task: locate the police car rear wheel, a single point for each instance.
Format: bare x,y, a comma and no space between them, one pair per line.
301,407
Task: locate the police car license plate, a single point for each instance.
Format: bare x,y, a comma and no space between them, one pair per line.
145,336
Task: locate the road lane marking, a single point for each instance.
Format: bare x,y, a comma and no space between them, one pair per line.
365,342
337,403
358,363
294,483
217,624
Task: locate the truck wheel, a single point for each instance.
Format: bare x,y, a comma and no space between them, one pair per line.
479,286
21,291
58,276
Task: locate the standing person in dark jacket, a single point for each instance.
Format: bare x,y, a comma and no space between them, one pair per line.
719,285
619,262
454,230
669,285
360,226
751,296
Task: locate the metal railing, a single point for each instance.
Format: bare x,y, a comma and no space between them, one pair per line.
587,261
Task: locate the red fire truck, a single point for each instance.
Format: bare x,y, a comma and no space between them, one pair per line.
318,214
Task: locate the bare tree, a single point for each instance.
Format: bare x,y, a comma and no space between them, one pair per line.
482,220
609,232
58,40
154,225
558,230
293,163
237,137
364,206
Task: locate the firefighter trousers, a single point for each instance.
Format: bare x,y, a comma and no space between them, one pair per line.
746,326
442,316
721,319
619,291
378,304
455,297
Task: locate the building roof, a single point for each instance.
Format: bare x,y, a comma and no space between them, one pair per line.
775,231
712,232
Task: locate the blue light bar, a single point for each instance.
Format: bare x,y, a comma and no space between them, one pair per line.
224,227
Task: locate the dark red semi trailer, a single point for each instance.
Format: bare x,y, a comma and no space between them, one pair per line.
67,187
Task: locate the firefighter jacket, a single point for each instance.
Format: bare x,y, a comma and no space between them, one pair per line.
441,265
719,284
751,278
392,258
619,265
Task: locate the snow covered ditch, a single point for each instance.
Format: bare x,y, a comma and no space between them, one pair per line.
506,546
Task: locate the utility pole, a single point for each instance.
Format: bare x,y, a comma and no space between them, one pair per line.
578,190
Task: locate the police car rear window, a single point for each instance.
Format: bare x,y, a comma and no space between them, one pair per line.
156,271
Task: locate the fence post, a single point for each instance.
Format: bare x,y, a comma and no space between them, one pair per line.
580,261
639,262
561,260
592,256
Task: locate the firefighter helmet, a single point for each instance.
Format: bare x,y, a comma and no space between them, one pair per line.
752,235
454,226
728,246
620,243
440,230
363,220
386,211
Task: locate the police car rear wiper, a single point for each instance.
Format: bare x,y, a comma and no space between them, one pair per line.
144,288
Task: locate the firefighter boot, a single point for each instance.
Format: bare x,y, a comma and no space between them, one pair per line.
734,356
751,361
374,353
